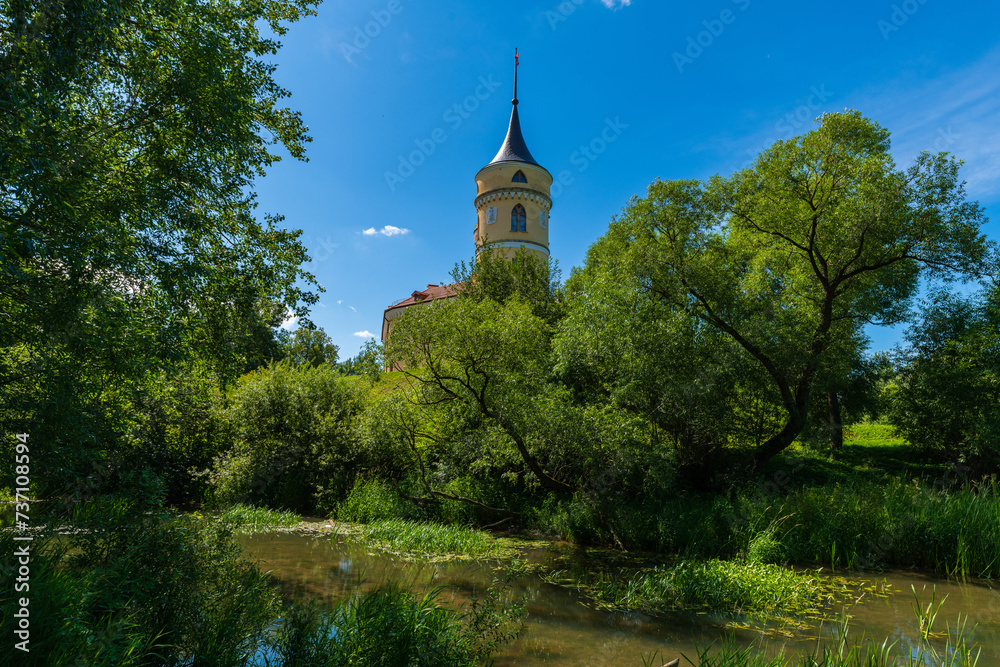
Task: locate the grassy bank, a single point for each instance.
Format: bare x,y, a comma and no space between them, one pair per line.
249,519
429,541
856,525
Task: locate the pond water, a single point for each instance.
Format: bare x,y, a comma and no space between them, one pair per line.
561,630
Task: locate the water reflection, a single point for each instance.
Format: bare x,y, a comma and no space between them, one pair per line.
561,630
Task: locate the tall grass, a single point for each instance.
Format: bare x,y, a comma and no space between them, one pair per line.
860,525
248,518
371,500
387,625
897,524
410,539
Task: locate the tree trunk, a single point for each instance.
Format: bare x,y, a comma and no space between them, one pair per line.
550,483
836,427
781,440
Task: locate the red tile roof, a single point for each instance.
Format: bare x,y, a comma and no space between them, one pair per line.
432,293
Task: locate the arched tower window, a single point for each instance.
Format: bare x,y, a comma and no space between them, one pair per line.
518,219
519,177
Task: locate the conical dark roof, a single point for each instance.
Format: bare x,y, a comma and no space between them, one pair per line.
514,149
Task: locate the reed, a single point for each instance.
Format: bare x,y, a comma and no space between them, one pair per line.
429,541
249,518
857,525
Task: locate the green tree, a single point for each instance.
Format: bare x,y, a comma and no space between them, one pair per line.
308,345
533,280
619,345
491,358
787,258
131,134
370,361
947,393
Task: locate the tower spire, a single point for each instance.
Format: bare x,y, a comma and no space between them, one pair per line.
516,63
514,149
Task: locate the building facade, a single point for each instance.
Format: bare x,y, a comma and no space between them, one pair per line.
512,211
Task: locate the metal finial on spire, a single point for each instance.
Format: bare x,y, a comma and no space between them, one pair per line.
514,148
516,63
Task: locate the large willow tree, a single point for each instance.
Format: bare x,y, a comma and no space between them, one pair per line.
788,259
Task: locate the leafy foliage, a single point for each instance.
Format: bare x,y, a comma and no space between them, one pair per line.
788,258
181,430
131,135
369,361
947,395
132,588
292,441
525,276
307,345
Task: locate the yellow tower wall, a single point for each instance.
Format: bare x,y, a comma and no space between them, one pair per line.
495,189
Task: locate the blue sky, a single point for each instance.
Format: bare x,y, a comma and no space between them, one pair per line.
407,100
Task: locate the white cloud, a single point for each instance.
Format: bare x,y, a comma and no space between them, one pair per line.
364,334
616,4
340,301
388,230
353,308
289,321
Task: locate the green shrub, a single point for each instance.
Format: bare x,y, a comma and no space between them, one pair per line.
181,431
947,390
293,446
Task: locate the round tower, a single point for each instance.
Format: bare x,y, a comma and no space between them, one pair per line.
512,195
